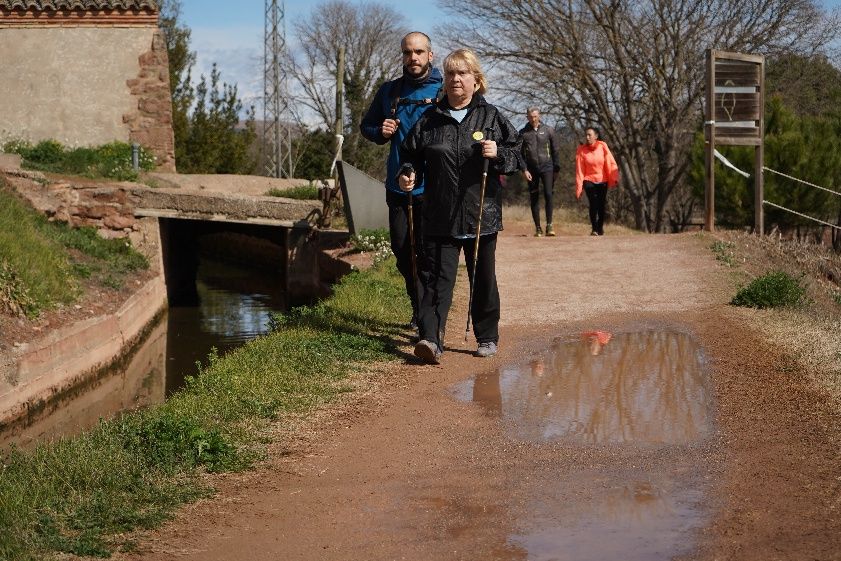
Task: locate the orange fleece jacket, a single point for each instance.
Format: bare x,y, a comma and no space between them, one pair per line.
594,163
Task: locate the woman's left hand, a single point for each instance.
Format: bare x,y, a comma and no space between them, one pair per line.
489,149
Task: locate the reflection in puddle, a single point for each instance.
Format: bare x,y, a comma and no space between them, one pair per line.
647,387
640,521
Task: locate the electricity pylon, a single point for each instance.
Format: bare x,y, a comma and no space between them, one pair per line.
277,145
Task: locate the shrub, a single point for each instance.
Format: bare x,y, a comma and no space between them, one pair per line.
45,152
112,160
772,290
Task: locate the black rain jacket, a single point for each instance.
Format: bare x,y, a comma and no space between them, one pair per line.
449,159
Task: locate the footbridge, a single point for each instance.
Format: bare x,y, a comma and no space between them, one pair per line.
235,214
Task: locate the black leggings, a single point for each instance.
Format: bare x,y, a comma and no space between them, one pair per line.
597,195
534,194
442,253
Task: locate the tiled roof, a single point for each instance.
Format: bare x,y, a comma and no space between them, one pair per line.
55,5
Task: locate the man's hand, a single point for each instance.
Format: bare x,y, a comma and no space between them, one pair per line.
407,182
390,127
527,173
489,149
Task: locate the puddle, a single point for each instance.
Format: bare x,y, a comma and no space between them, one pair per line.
645,387
647,520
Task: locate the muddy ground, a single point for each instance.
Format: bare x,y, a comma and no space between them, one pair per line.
446,462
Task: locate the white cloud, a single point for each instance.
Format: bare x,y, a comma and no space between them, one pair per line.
237,52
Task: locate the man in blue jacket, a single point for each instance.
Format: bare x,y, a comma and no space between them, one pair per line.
396,108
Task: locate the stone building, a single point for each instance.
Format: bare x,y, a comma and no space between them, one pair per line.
85,73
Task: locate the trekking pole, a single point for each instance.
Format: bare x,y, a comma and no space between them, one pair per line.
476,245
407,169
412,243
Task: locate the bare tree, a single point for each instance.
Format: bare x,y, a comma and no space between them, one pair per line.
634,69
370,34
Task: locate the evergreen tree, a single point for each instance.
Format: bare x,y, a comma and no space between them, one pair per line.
210,139
181,61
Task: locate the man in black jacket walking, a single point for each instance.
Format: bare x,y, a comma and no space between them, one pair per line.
540,151
397,106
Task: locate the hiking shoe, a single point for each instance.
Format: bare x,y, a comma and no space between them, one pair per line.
550,231
594,233
486,349
538,233
428,352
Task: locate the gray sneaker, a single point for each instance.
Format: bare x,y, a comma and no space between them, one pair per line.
486,349
428,352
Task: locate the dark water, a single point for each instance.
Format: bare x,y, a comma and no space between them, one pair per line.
235,306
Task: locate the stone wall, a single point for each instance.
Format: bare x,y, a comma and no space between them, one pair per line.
86,86
108,207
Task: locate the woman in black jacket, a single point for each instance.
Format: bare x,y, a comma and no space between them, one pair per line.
447,148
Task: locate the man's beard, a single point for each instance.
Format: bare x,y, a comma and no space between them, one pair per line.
420,76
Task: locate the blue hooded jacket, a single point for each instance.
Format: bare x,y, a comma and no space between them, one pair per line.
407,113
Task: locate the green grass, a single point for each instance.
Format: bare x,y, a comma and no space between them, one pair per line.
42,263
772,290
302,192
82,495
724,253
111,160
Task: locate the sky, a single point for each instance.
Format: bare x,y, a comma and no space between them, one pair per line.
233,38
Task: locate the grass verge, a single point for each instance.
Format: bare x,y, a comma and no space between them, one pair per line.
42,262
301,192
81,495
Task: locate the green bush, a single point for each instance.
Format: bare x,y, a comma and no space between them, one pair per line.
772,290
45,152
112,160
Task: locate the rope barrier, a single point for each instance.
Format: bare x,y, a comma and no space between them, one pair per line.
802,215
801,181
341,140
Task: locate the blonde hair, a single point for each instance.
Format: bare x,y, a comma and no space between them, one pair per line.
466,59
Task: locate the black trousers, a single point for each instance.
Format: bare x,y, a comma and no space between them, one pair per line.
398,229
546,177
442,254
597,195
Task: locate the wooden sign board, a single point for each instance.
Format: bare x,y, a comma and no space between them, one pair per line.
734,115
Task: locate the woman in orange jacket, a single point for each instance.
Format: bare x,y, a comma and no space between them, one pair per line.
595,172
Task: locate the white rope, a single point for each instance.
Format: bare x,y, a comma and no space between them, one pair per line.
801,181
341,140
803,215
727,163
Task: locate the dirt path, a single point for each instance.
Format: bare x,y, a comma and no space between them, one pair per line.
447,462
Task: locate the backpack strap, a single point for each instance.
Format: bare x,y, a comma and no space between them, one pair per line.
396,100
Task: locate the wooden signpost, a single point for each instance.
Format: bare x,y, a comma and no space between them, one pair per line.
734,115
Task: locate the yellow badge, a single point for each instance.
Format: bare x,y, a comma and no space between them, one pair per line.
478,135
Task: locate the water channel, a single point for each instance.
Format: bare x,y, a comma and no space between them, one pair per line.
235,305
